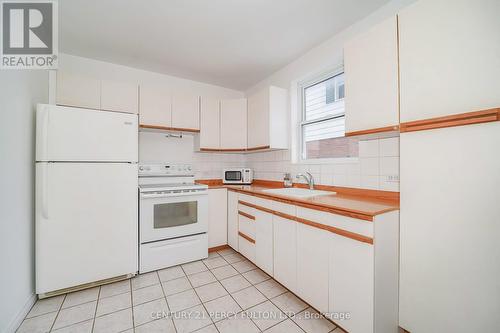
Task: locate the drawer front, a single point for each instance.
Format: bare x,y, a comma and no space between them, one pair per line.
247,248
157,255
263,202
246,198
361,227
284,208
246,226
245,209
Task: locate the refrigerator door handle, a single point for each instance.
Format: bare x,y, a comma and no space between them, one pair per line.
45,191
42,132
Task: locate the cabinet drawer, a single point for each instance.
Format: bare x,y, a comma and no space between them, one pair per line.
284,208
246,209
246,198
247,248
246,225
265,203
361,227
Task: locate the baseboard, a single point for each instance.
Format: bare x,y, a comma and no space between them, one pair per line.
18,319
218,248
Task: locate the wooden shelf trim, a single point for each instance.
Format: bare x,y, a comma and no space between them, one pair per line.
248,216
258,148
374,130
242,150
248,238
165,128
335,230
468,118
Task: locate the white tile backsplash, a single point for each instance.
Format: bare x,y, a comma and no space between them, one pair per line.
376,168
389,147
377,161
369,148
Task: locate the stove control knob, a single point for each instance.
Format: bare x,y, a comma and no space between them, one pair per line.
141,168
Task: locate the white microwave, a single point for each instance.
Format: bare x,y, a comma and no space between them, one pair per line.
237,176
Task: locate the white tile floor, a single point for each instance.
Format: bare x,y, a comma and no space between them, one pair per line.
224,293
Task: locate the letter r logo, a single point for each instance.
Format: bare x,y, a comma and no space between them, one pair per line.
27,27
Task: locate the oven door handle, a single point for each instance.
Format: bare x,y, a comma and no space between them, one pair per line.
169,195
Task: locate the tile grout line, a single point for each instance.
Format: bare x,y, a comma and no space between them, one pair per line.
165,296
57,315
132,302
211,320
95,311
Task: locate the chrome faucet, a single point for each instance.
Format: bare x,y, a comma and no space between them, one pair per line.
309,179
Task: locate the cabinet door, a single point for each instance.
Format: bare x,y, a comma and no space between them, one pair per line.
186,112
217,217
313,247
232,219
119,96
285,252
210,123
371,78
264,241
155,106
449,57
258,119
79,91
351,282
233,122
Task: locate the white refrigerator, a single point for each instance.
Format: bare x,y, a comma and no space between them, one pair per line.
86,211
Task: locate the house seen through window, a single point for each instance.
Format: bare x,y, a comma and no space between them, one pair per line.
323,120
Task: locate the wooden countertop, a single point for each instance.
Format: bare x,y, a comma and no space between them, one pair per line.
356,203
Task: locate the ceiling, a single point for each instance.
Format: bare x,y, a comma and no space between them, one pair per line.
231,43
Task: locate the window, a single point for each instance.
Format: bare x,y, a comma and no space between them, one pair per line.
322,125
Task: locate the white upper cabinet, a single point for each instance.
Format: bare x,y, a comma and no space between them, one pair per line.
79,91
267,119
155,106
209,123
119,96
233,124
186,111
449,57
371,78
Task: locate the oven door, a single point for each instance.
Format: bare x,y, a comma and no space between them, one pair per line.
233,176
170,216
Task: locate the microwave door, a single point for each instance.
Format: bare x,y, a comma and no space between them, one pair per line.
233,176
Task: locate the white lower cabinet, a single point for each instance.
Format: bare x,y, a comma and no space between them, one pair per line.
264,241
217,217
232,219
351,271
352,278
285,252
313,247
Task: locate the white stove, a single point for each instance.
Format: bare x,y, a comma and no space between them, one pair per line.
173,216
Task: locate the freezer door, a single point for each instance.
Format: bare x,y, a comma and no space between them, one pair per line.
75,134
86,223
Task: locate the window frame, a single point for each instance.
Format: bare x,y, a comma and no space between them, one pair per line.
301,122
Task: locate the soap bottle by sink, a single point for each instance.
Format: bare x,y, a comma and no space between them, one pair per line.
287,180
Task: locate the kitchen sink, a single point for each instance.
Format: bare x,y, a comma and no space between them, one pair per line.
297,192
